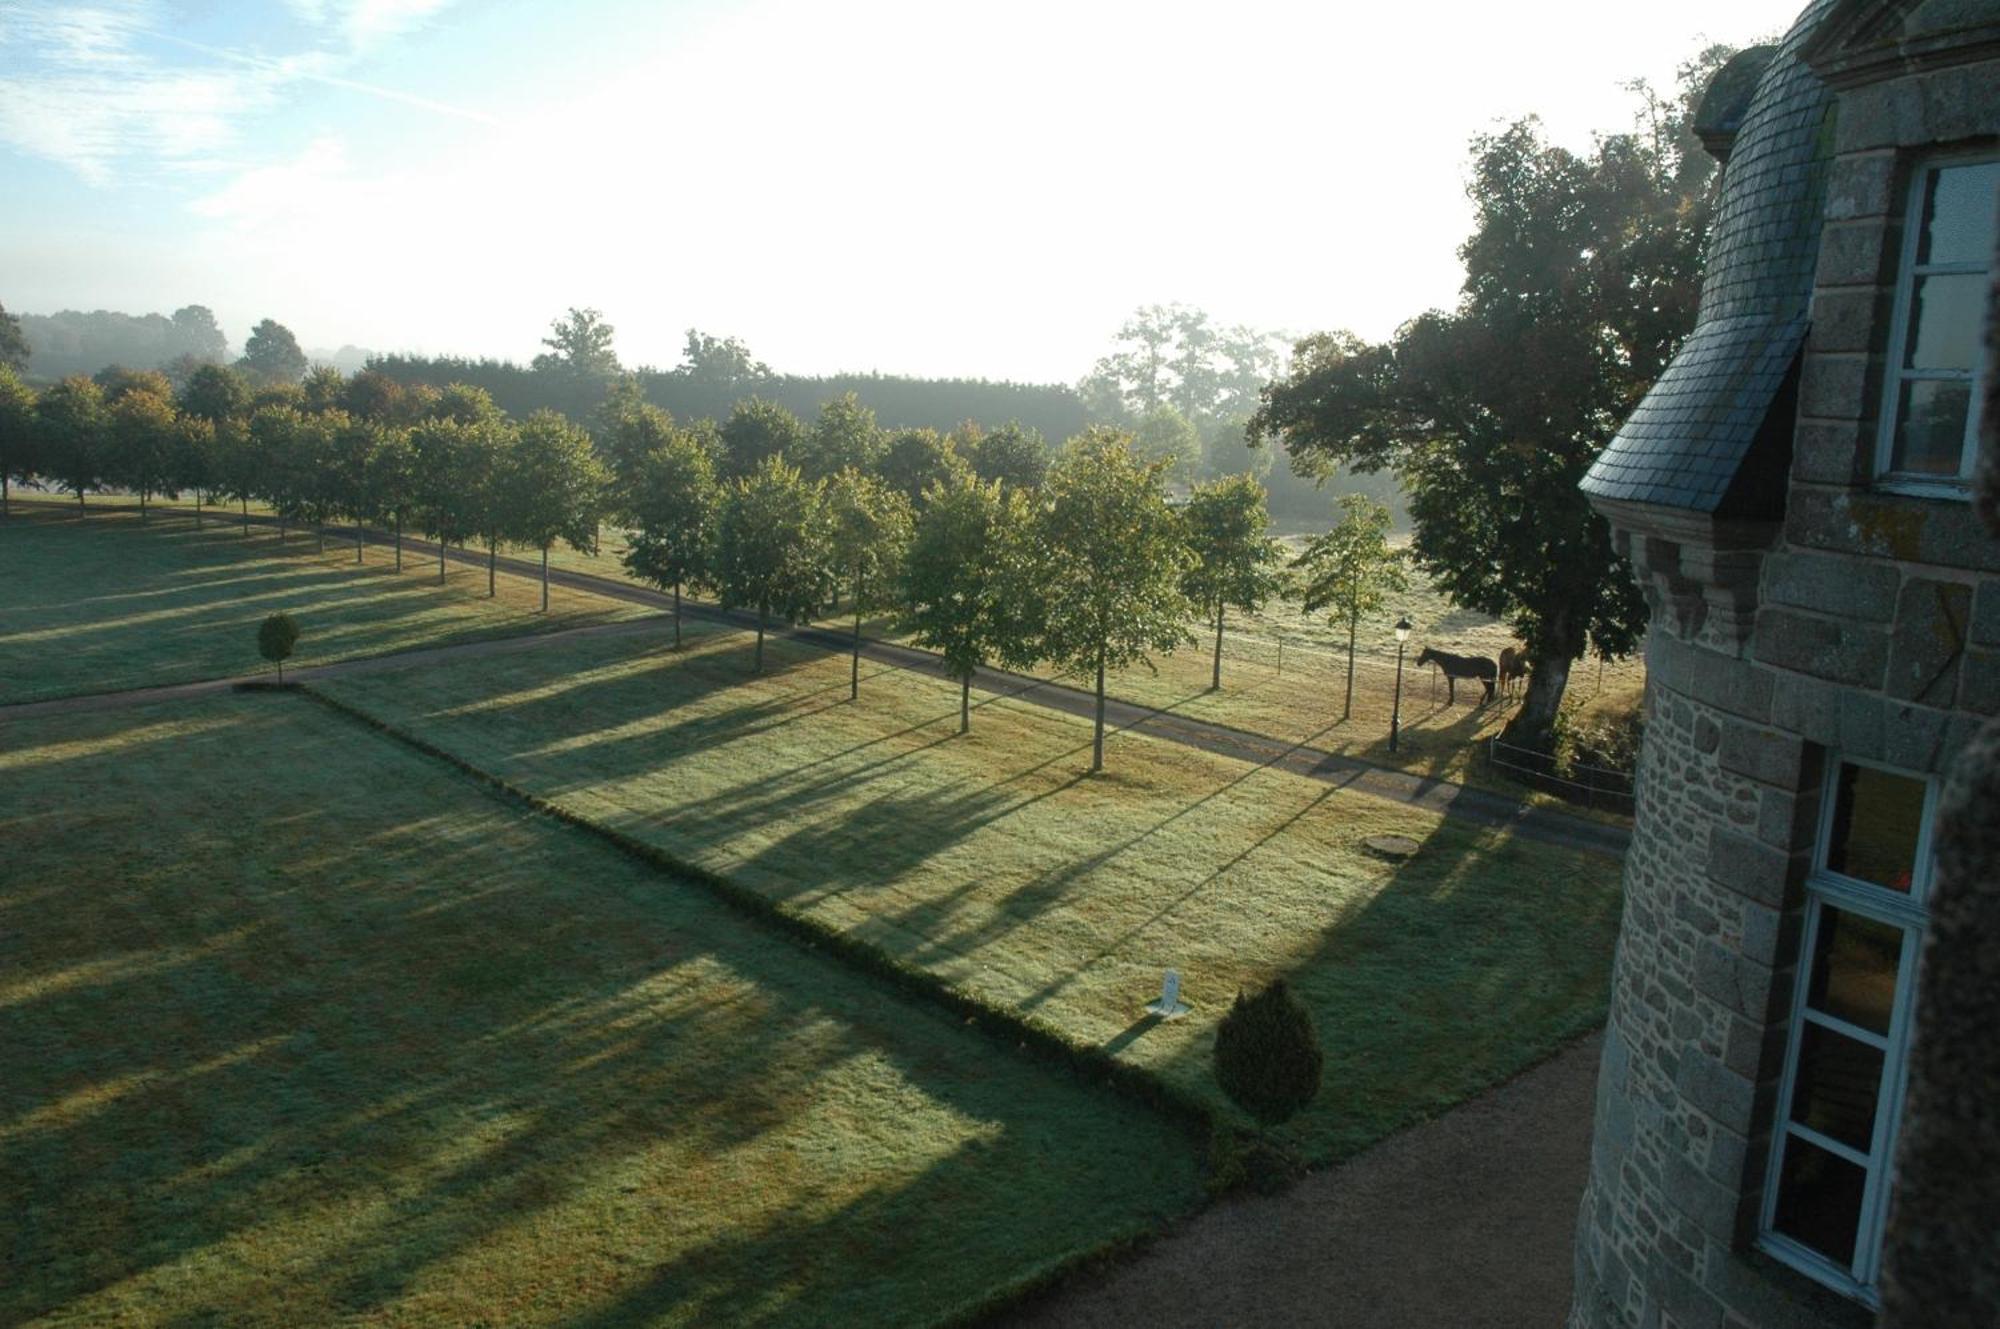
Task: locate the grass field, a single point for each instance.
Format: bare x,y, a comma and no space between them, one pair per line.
102,603
298,1026
993,861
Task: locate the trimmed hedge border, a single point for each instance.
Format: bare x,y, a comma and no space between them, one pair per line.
1027,1034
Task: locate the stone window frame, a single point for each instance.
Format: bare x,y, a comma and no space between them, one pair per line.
1910,216
1910,913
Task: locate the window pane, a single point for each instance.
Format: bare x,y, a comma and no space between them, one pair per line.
1947,315
1930,427
1854,969
1838,1082
1958,215
1819,1199
1876,817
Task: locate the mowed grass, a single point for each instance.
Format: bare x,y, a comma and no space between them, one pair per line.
996,862
298,1026
102,603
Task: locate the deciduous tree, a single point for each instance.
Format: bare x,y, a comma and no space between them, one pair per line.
961,579
1017,456
446,476
756,431
1352,571
142,438
845,435
556,488
14,350
17,433
773,553
579,347
674,499
71,431
216,393
271,354
1111,562
869,524
918,461
1582,276
1235,562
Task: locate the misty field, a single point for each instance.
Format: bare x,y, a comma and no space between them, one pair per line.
102,603
336,1035
995,862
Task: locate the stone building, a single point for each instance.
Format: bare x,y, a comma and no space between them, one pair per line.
1794,497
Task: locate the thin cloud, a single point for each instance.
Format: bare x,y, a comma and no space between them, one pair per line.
86,91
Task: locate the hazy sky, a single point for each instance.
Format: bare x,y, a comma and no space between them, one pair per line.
929,187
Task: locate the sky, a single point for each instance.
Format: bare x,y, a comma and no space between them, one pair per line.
929,187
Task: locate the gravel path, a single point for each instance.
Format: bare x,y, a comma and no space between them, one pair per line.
1441,796
1465,1222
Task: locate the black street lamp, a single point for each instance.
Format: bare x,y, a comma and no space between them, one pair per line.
1396,710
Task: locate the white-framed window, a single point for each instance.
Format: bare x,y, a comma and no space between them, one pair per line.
1929,439
1840,1100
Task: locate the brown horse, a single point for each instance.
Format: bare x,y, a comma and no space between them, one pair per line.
1513,667
1460,666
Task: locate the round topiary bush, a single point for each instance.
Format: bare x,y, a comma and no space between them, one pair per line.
1267,1055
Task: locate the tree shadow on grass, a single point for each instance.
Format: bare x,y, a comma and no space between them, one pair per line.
432,1049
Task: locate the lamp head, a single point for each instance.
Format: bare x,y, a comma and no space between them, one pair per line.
1403,629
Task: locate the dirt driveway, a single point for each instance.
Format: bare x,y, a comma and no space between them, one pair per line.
1464,1222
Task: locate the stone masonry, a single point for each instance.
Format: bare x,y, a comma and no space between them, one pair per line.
1844,620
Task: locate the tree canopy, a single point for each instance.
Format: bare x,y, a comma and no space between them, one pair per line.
674,498
962,580
1582,276
772,550
1110,562
1352,571
1235,562
271,354
579,345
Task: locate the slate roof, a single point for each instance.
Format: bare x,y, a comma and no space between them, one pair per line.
1684,444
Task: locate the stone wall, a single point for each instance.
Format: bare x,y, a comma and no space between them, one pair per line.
1868,625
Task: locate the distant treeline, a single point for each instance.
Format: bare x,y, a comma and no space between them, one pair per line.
75,342
1054,410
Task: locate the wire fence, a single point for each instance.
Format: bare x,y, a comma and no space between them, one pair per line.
1593,786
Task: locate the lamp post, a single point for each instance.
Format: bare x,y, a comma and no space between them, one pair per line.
1396,709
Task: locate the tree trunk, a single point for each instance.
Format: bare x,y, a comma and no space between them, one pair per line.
440,560
1353,624
357,541
545,579
854,664
965,703
677,616
142,505
197,509
244,499
4,495
758,668
81,506
492,565
1097,743
1215,679
319,533
1533,726
399,539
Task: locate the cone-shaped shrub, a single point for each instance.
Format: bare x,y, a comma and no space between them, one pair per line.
1267,1055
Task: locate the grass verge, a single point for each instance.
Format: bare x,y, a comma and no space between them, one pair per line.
334,1035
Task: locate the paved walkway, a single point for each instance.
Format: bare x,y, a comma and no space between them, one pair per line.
1465,1222
1440,796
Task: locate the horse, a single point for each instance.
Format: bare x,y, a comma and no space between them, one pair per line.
1460,666
1513,667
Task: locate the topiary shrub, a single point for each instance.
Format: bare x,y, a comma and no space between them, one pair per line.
1267,1055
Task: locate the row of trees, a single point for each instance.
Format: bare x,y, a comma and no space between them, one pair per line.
449,463
1091,569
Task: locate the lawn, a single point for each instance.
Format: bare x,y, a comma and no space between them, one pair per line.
102,603
299,1026
995,862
